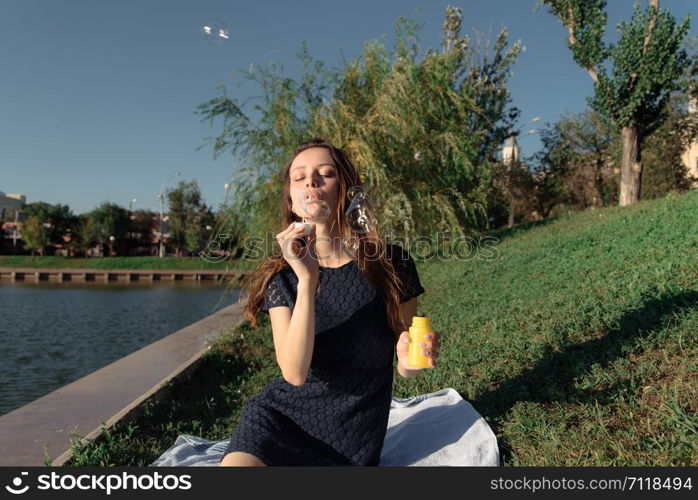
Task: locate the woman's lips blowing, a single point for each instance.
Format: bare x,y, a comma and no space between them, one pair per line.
312,198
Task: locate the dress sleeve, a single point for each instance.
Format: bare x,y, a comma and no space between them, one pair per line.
277,293
407,271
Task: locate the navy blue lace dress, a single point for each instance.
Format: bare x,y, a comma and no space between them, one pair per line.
339,416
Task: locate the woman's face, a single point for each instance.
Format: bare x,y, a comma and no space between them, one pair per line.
313,176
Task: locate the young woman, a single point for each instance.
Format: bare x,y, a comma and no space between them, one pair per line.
340,301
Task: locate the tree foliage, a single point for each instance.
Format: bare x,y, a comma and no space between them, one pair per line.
85,235
49,224
428,138
578,163
35,234
141,227
189,217
109,219
422,129
664,148
633,78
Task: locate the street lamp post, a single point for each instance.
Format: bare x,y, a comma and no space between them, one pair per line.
161,247
511,157
15,232
47,226
129,233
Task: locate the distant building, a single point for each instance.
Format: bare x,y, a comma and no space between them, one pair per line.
511,152
690,156
10,205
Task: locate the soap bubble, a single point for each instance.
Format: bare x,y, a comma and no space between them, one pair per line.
358,214
312,207
215,31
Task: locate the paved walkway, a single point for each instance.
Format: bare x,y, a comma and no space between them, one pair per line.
106,395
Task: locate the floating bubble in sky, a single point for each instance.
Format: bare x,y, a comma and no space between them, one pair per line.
312,207
215,31
357,214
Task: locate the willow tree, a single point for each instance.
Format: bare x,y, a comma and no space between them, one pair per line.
423,129
260,145
633,78
426,128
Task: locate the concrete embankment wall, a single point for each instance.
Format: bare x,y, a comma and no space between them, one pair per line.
115,392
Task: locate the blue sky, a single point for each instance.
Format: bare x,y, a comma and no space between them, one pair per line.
98,97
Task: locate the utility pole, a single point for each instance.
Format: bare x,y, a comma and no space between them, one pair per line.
161,247
511,157
15,231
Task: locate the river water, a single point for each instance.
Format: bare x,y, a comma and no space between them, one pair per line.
52,334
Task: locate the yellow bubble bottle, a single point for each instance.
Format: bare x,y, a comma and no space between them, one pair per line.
421,326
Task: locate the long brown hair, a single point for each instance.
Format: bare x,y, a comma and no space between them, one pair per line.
368,249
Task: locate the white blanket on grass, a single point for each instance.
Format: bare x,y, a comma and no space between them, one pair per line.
436,429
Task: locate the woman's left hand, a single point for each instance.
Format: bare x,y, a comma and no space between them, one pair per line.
430,349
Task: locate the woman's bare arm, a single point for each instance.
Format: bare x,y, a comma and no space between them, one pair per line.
294,334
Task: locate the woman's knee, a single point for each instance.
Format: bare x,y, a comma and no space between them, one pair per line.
241,459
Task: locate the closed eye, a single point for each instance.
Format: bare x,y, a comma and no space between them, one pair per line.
301,178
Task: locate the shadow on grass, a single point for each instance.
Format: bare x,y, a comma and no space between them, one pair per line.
552,378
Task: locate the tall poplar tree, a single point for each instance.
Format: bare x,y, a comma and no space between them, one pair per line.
633,78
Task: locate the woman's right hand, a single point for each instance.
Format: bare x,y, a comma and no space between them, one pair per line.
303,260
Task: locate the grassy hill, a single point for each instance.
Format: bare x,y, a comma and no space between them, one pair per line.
575,338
